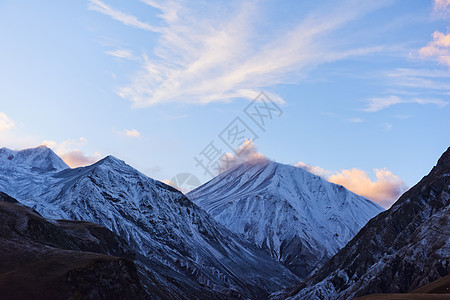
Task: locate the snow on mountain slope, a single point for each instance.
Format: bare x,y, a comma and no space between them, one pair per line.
180,244
28,170
398,251
300,218
36,159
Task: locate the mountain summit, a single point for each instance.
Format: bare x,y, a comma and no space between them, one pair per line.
41,159
299,218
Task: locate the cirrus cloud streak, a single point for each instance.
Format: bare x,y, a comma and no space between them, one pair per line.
380,103
200,58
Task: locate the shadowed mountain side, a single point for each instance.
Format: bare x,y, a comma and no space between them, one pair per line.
62,259
398,251
436,290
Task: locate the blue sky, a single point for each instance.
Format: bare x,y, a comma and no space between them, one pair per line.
363,86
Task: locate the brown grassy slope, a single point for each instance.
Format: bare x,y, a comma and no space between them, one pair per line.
57,260
436,290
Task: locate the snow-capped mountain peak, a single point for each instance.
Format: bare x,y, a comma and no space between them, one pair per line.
111,160
41,159
298,217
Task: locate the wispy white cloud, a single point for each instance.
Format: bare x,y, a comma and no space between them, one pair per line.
418,82
377,104
130,133
438,102
356,120
422,73
122,53
380,103
169,9
126,19
201,58
5,122
385,190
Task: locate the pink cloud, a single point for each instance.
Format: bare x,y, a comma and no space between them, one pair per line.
442,8
316,170
130,133
246,152
76,158
69,152
439,48
384,190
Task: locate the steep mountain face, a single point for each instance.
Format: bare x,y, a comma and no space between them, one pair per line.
179,246
62,259
399,250
299,218
36,159
27,169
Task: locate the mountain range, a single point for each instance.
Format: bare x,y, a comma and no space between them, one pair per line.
261,229
184,250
